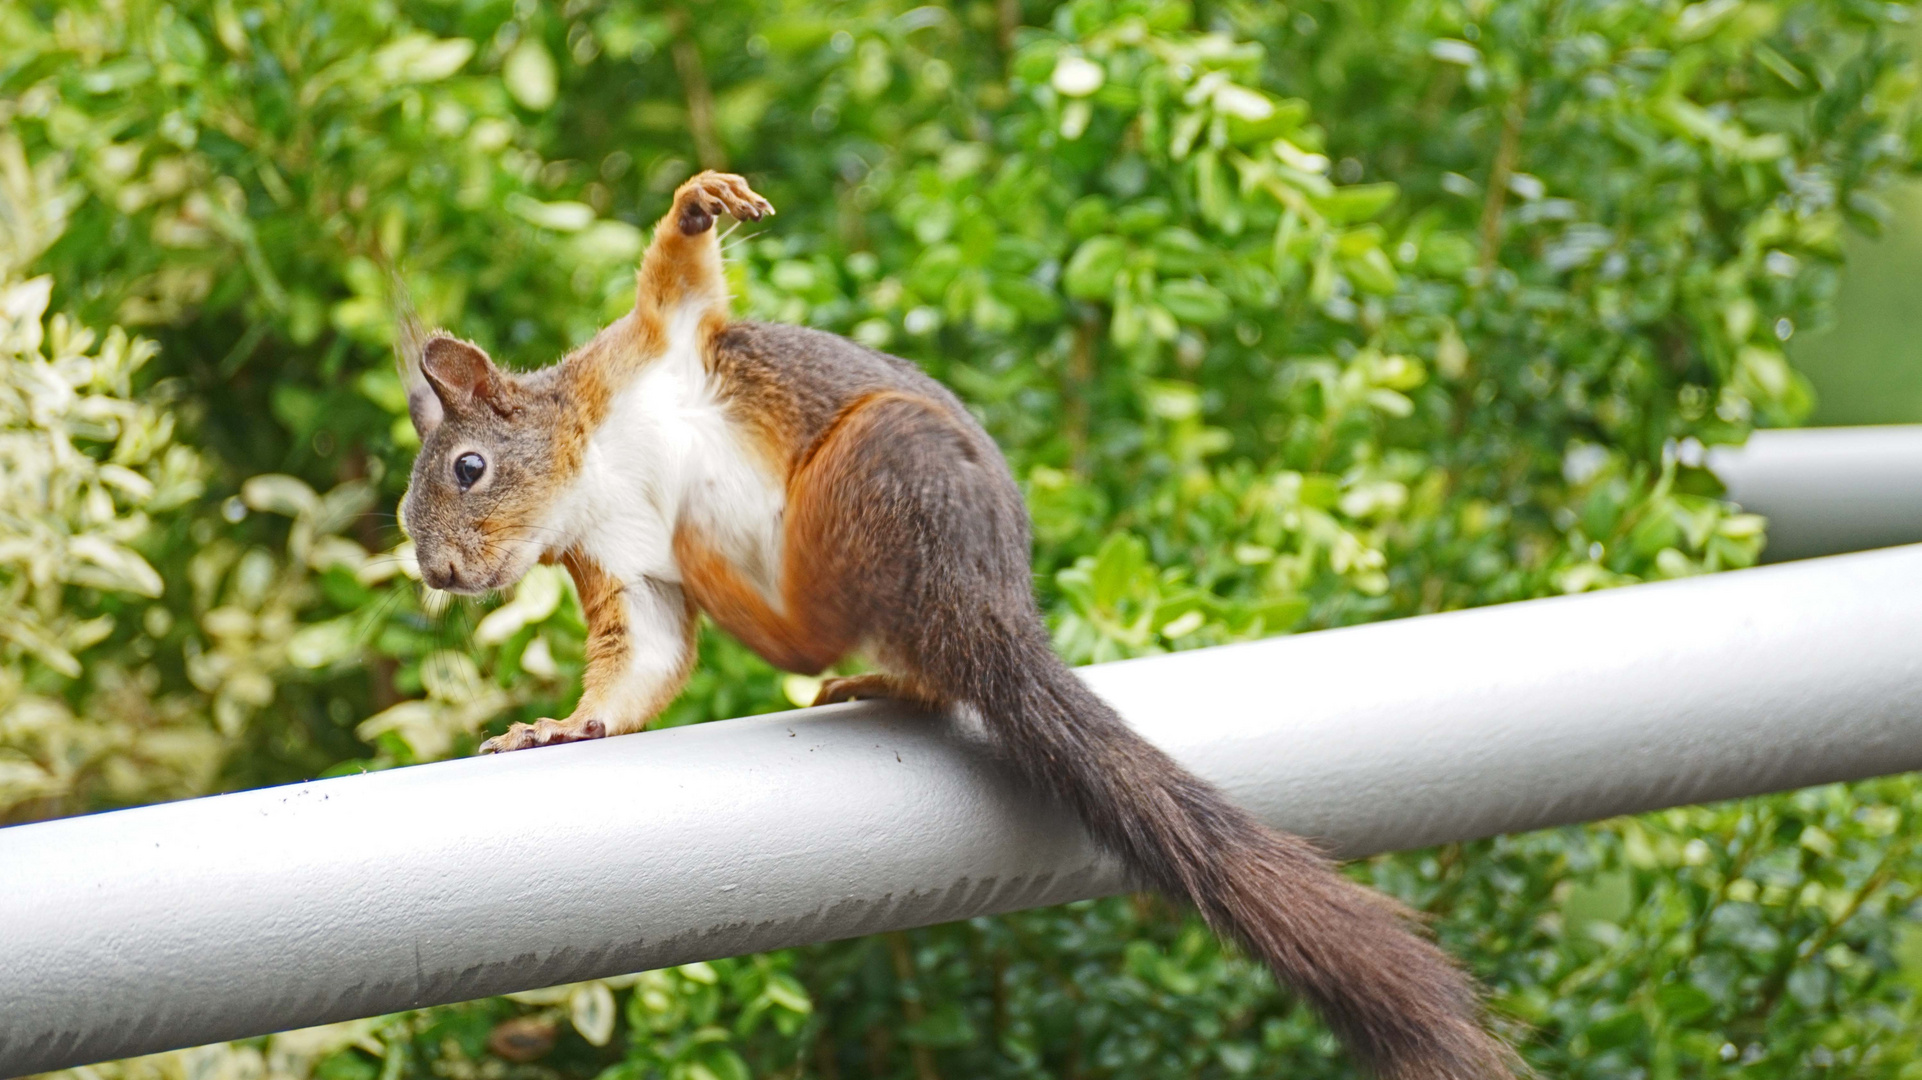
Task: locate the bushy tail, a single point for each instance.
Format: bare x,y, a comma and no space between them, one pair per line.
1400,1003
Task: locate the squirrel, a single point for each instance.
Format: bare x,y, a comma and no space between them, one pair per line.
815,497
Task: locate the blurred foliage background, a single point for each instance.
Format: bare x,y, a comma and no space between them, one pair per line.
1867,365
1288,316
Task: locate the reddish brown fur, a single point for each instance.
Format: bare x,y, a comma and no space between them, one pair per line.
600,596
810,628
608,649
739,608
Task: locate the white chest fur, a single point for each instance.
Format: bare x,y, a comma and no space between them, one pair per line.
668,454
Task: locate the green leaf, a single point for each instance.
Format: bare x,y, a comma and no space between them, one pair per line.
421,58
1092,270
1089,215
324,644
1194,301
1358,202
1284,118
1320,491
530,75
571,217
1180,251
1037,304
1618,1030
1682,1003
1121,562
1607,897
722,1063
1372,272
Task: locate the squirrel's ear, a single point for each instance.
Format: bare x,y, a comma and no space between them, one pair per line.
461,374
424,409
410,342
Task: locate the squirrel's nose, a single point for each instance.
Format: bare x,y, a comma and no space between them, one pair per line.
441,576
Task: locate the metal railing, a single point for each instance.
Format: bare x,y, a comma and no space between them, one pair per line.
1829,490
209,919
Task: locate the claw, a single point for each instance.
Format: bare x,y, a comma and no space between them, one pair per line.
855,688
709,195
545,732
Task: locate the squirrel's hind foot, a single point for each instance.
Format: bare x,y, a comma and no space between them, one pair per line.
874,685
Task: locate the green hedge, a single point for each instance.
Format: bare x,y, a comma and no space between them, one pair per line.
1288,316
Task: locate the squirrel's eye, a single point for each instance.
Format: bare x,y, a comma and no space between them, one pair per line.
468,469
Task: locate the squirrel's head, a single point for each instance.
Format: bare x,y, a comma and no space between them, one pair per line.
480,500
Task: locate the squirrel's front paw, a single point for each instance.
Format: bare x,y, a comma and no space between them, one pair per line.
545,733
710,194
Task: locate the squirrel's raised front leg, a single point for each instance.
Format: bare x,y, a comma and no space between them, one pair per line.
680,294
681,271
640,649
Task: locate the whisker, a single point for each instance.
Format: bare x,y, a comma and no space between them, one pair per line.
457,622
378,616
382,561
727,245
501,528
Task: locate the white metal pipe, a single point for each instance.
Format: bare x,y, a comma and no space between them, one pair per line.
215,918
1829,490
